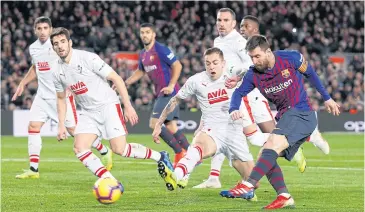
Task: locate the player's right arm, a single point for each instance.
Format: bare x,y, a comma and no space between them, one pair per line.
245,88
30,76
137,75
187,90
61,107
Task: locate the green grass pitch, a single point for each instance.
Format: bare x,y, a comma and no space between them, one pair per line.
331,183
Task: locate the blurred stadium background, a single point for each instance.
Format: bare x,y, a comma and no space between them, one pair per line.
329,34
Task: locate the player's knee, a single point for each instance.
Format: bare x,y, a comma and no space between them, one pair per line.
277,143
120,149
34,126
80,147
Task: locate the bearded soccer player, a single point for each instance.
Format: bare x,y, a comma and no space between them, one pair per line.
160,64
279,77
87,76
258,121
44,105
250,26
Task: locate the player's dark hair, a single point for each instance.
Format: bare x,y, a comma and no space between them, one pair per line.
149,25
214,50
42,19
257,41
225,9
252,18
60,31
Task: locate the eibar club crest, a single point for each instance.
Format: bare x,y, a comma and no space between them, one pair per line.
285,73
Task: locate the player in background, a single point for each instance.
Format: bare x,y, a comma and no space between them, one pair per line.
160,64
279,77
87,75
250,26
220,134
44,105
255,106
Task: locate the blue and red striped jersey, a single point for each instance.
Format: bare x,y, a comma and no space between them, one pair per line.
283,85
157,63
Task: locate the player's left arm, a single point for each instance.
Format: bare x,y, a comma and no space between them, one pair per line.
106,72
246,87
168,57
304,67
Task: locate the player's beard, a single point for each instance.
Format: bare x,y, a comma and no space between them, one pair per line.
147,42
67,51
262,68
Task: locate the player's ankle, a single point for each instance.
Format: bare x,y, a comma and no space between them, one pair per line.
213,177
286,195
33,169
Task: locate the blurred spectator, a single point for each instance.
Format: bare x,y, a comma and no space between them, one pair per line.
317,29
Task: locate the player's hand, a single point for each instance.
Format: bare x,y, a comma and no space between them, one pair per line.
156,133
332,107
18,92
62,133
167,90
131,115
235,115
231,82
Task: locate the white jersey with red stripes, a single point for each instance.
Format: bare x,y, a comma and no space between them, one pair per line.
213,98
42,55
86,76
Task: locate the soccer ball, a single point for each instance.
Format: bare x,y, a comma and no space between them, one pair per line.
107,190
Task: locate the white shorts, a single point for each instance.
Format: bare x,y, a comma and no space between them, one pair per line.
231,142
44,109
255,109
107,121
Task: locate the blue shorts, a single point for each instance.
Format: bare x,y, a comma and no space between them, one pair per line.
160,105
297,126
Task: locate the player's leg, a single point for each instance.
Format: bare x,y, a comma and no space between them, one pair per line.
265,121
291,131
172,126
215,169
115,131
180,137
82,147
166,134
203,146
38,116
318,141
86,132
71,122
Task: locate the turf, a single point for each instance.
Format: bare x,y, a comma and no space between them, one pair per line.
331,183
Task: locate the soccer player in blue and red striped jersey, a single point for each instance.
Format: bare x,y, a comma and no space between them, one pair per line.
160,64
279,77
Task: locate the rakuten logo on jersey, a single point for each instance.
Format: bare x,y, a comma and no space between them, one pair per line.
79,88
43,66
150,68
217,96
278,88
